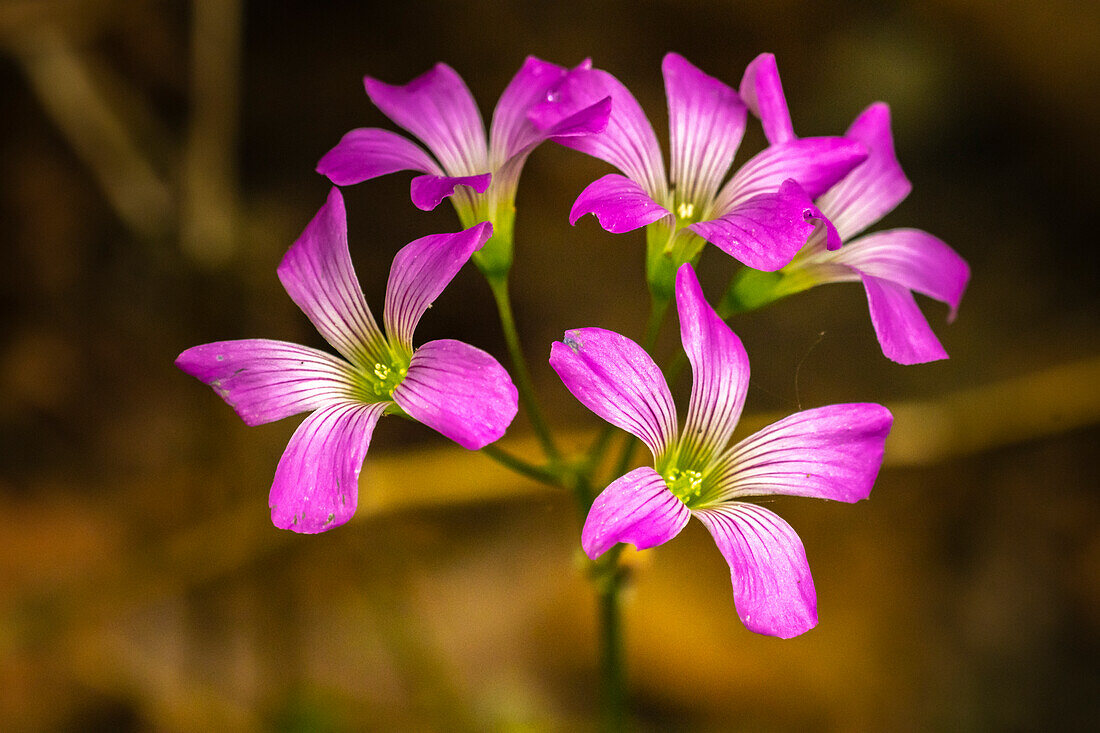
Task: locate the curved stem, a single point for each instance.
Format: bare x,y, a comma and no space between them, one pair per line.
499,285
522,467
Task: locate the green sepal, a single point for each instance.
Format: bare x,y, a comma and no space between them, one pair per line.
666,251
495,258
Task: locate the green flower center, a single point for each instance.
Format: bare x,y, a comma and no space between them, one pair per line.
685,484
376,382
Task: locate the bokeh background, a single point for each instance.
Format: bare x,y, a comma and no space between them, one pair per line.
156,160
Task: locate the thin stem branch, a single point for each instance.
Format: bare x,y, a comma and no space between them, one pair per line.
608,576
499,286
522,467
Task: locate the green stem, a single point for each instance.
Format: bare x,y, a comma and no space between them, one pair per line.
499,285
522,467
608,576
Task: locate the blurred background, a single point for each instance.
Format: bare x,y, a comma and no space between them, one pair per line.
156,161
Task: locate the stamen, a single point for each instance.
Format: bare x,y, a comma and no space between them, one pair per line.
685,485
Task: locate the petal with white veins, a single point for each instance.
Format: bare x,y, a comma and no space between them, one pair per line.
720,372
766,231
637,508
437,108
831,452
772,586
628,142
763,93
616,379
367,153
914,259
620,204
706,124
266,380
419,273
902,330
460,391
816,163
318,275
316,485
427,191
874,188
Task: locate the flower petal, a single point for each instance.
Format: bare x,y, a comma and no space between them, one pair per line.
427,191
628,142
720,372
637,508
706,124
316,485
914,259
831,452
368,152
438,108
318,275
772,586
766,231
874,188
267,380
512,133
616,379
763,93
816,163
420,271
620,204
902,330
460,391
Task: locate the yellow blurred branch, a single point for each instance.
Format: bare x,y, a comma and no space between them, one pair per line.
62,80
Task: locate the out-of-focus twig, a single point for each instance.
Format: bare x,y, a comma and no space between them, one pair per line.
62,80
209,216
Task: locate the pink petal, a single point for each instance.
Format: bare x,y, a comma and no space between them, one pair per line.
816,163
831,452
873,189
636,508
772,587
766,231
628,142
913,259
514,134
620,204
437,108
427,191
616,379
763,93
267,380
316,485
720,372
706,123
318,275
460,391
420,271
902,330
367,153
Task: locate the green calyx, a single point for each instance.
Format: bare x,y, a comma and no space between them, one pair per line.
669,248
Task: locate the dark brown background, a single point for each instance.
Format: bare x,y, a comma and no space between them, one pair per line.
155,163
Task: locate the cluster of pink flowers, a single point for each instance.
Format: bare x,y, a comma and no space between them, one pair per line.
791,215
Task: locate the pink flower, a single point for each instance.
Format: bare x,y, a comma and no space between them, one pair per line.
891,264
761,216
831,452
448,385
